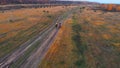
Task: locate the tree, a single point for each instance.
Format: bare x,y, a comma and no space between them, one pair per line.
118,8
110,7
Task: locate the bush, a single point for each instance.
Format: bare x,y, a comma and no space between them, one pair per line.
43,10
49,16
47,11
10,20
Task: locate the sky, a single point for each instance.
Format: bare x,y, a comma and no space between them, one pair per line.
101,1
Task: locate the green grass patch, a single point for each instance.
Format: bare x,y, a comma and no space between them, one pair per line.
81,46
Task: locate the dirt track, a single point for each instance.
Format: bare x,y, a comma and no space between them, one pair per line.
47,36
36,57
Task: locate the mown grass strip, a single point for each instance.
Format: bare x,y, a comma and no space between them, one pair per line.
81,46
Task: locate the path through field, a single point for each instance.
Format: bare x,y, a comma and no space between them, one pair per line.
25,57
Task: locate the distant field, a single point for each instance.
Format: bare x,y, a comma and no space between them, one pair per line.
89,39
18,26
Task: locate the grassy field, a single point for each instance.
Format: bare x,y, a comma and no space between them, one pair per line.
89,39
18,26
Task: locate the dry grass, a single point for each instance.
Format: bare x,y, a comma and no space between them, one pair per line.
101,35
61,50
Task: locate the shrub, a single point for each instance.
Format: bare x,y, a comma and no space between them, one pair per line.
44,11
47,11
49,16
10,20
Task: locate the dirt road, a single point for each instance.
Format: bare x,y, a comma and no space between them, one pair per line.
36,57
46,37
9,59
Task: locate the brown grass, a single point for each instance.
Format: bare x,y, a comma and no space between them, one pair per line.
61,50
106,36
101,35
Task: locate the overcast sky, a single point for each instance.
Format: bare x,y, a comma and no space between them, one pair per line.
101,1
